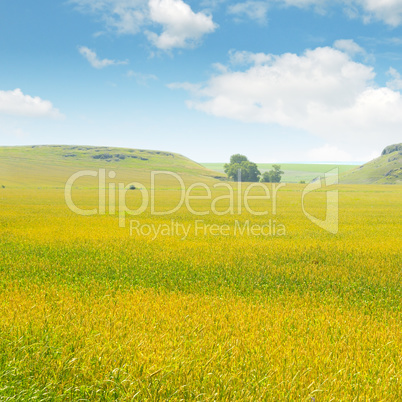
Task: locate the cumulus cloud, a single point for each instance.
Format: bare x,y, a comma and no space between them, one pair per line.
322,91
388,11
181,27
255,10
95,62
17,104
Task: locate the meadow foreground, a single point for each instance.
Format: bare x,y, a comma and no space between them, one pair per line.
94,311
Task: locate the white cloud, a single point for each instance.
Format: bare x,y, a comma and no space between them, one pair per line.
181,26
95,62
388,11
255,10
194,88
130,16
16,103
352,49
141,78
349,46
328,153
123,16
323,91
396,82
244,57
331,153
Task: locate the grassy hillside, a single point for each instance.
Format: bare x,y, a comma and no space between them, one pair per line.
387,169
51,165
293,172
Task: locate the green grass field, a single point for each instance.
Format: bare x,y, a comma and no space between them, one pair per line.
93,311
293,172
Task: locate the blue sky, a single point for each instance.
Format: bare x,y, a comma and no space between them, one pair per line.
277,80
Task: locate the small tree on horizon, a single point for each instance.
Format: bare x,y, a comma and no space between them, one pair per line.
273,176
241,169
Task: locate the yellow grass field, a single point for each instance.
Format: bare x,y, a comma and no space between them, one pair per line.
90,311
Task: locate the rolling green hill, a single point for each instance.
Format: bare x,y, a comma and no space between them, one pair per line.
386,169
51,165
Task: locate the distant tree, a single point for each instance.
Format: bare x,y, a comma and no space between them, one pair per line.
273,176
276,174
238,158
241,169
266,177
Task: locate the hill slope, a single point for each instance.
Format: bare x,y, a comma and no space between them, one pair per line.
386,169
52,165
